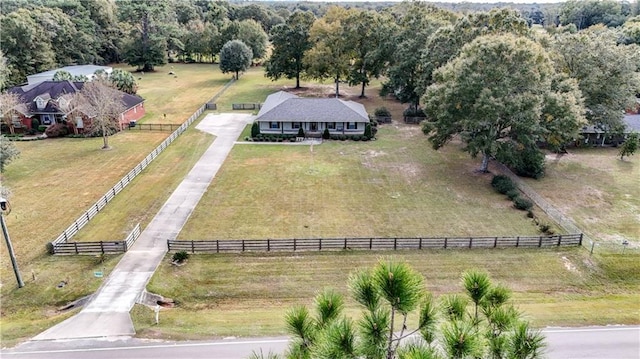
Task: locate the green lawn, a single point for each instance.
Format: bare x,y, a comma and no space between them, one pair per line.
247,295
598,190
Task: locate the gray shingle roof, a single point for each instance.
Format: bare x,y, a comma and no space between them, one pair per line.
632,122
286,107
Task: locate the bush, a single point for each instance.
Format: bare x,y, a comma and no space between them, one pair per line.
545,228
414,112
42,128
502,184
356,137
382,112
255,129
179,257
528,162
326,135
367,131
56,130
522,204
31,131
513,194
300,132
35,123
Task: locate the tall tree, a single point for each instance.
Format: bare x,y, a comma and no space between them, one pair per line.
290,41
5,71
630,145
404,75
26,46
330,55
235,56
369,34
252,34
103,104
586,13
606,72
62,75
492,93
147,44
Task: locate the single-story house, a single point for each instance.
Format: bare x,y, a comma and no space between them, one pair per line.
595,135
285,113
76,70
49,102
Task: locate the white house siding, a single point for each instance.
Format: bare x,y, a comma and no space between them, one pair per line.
288,129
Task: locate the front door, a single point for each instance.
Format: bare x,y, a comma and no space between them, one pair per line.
314,127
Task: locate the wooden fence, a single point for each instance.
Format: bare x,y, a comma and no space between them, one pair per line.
383,119
374,244
96,247
246,106
408,119
153,127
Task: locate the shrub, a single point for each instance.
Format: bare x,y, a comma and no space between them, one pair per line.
527,162
326,135
513,194
300,132
367,131
42,128
35,123
502,184
179,257
522,204
31,131
382,112
414,112
544,227
356,137
255,129
57,130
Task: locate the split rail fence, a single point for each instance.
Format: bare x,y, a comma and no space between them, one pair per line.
111,193
374,244
100,247
246,106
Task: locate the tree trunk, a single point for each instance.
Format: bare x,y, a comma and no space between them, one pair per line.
337,86
297,80
485,162
237,78
105,138
362,93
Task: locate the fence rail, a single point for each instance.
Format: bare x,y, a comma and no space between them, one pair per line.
100,247
152,127
246,106
111,193
409,119
329,244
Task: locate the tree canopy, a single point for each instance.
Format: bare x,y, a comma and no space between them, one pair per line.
493,96
235,57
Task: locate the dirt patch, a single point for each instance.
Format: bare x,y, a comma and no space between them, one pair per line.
570,266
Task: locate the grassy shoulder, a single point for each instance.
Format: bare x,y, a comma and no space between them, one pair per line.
247,295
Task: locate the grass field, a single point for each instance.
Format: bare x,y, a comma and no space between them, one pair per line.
247,295
598,190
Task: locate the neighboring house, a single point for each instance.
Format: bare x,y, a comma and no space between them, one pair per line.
75,70
285,113
596,136
50,102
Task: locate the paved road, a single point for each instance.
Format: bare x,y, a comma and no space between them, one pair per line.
615,342
107,314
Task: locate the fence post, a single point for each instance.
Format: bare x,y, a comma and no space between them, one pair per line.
217,246
294,244
370,243
445,242
268,245
319,244
559,239
517,241
580,242
420,243
345,244
102,247
75,244
193,247
243,245
470,242
395,243
169,244
540,242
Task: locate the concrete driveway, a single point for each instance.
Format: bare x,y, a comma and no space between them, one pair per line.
107,313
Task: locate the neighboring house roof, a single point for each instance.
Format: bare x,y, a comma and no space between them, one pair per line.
283,106
52,91
632,122
75,70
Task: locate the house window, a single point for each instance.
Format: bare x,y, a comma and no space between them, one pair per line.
46,119
340,126
296,125
40,103
274,125
352,126
15,120
331,125
79,122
